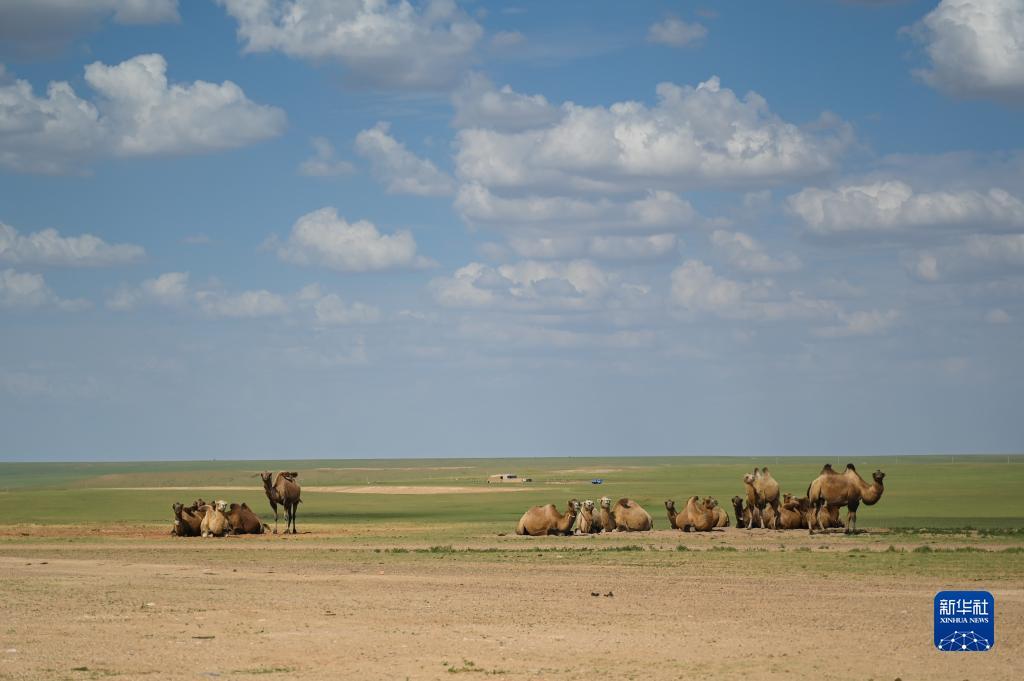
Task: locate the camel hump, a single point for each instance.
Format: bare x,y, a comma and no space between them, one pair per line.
624,502
851,467
245,506
827,468
764,471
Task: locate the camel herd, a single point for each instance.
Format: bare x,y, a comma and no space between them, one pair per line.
220,518
760,507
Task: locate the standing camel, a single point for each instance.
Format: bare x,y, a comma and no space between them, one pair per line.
284,491
835,490
762,492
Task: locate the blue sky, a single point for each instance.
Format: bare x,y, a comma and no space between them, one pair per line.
306,228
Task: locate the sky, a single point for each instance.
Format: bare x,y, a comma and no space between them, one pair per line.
305,228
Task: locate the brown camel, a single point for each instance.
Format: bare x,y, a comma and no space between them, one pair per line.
284,491
587,524
670,507
244,521
697,516
762,491
631,517
830,517
187,522
721,515
742,515
793,512
542,520
605,516
835,490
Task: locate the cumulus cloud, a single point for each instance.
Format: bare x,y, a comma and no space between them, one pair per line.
25,290
698,136
532,285
323,163
326,239
893,206
137,112
478,104
332,310
600,247
676,33
170,288
380,43
697,288
45,27
244,305
861,323
48,247
401,170
976,48
744,252
1006,249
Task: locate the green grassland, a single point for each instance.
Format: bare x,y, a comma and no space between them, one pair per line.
920,491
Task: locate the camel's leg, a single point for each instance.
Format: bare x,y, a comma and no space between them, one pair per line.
295,508
851,518
274,506
778,516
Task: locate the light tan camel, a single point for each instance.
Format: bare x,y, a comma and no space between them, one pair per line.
606,518
586,523
284,491
762,491
697,516
215,523
541,520
721,515
631,517
835,490
793,512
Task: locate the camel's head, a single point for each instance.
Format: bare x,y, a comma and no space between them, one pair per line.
588,504
266,475
748,479
670,505
574,504
177,507
693,500
198,502
606,502
879,476
714,501
786,497
737,502
221,505
708,504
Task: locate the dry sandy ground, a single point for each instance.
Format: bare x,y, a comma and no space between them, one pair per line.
275,607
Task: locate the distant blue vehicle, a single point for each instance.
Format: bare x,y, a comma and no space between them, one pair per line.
597,481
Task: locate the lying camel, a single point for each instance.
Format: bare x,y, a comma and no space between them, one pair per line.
762,491
742,515
244,521
721,515
606,518
670,508
586,523
215,523
631,517
541,520
831,489
699,517
793,512
186,522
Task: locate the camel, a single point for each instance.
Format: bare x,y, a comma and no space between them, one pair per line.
187,522
587,524
742,515
244,521
670,507
699,517
762,491
215,523
793,512
631,517
835,490
832,518
605,516
541,520
721,515
284,491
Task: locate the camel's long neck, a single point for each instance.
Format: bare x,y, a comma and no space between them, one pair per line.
567,520
872,493
672,515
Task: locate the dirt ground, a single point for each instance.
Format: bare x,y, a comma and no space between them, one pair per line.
314,606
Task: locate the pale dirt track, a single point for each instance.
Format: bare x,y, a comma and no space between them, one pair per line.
309,607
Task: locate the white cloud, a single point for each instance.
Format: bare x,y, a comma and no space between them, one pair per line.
170,288
247,304
45,27
48,247
676,33
997,316
532,285
324,238
926,267
24,289
1006,249
743,252
702,135
331,309
380,43
976,48
893,206
478,104
861,323
399,168
323,162
137,112
601,247
697,288
977,254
